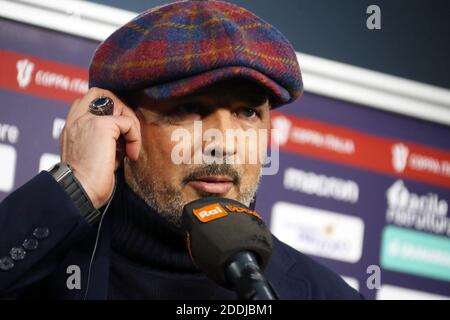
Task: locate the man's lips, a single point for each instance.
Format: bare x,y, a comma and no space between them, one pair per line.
212,184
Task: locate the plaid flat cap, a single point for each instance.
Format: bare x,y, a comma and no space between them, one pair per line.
175,49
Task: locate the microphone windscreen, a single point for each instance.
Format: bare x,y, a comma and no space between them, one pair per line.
218,228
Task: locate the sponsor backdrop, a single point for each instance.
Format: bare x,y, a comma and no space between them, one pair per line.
356,188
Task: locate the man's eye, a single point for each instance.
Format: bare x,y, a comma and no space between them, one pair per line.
187,108
183,112
249,113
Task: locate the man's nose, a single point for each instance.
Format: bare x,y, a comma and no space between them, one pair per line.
216,143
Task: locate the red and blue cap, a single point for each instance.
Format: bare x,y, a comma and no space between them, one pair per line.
176,49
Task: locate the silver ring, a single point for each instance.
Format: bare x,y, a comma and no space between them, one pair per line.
102,106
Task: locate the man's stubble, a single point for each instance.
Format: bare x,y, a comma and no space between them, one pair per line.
166,199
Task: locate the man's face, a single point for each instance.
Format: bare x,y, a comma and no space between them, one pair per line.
171,127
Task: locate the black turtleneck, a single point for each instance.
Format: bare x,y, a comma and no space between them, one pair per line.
149,259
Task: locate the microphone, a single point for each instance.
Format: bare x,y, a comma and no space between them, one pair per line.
230,244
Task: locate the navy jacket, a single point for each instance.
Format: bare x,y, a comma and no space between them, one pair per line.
41,207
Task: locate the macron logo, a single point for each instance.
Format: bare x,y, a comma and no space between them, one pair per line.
24,71
210,212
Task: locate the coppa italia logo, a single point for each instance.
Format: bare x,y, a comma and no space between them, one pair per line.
24,71
314,137
40,77
210,212
403,158
283,124
349,147
399,156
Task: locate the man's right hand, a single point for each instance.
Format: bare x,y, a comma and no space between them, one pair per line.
88,144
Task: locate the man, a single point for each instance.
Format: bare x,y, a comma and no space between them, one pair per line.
105,222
